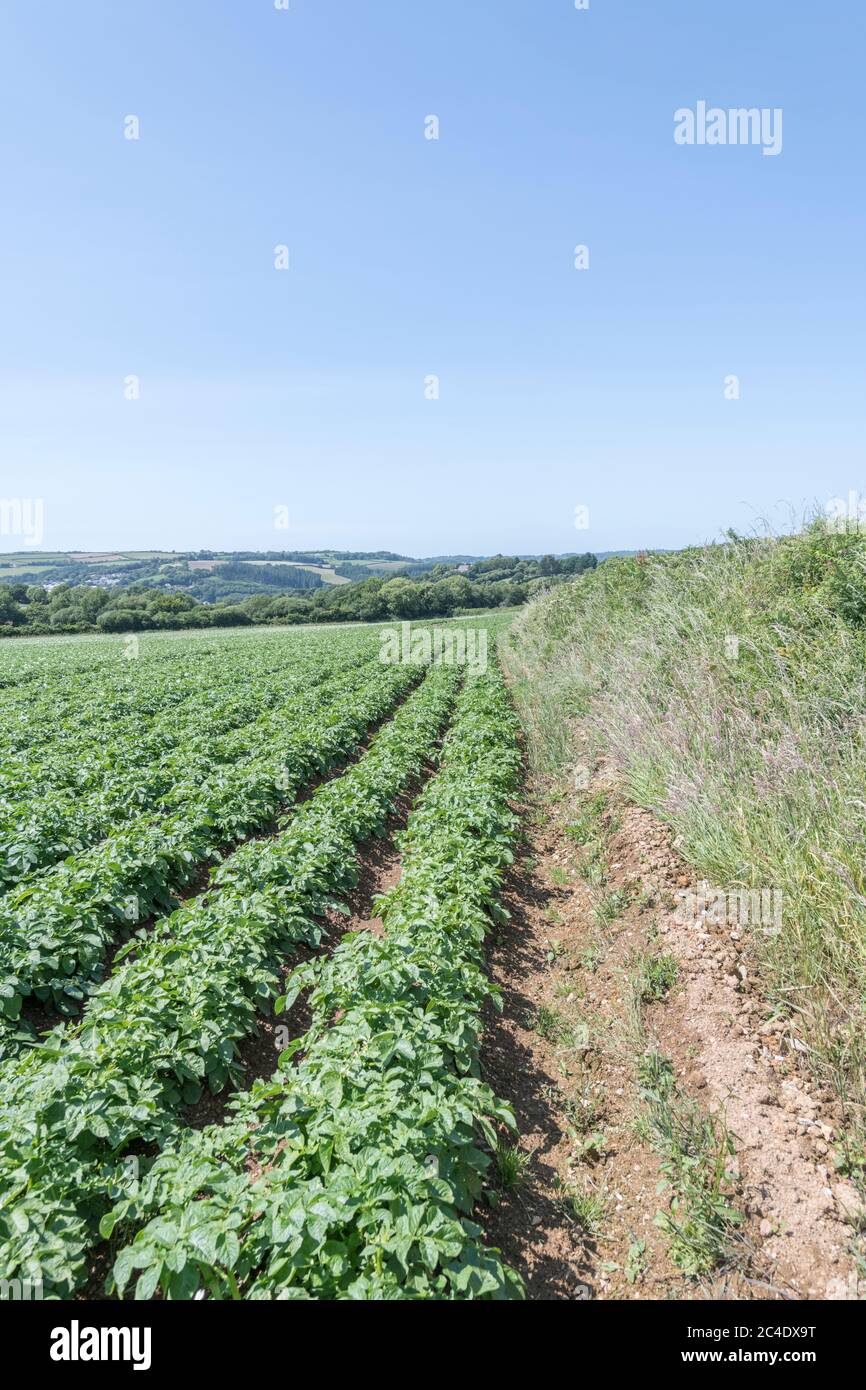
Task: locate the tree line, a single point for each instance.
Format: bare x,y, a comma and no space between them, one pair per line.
30,609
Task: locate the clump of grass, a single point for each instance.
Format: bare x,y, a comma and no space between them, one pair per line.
592,957
657,977
592,866
587,825
693,1147
753,752
641,1128
550,1025
694,1151
512,1166
586,1207
568,988
610,906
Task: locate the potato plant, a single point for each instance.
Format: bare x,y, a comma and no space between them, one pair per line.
170,1019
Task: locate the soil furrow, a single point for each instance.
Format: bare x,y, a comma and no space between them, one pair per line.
378,869
600,972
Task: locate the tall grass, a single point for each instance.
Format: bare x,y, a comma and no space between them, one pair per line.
728,686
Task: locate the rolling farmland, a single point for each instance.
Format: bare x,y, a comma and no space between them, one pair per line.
182,817
343,964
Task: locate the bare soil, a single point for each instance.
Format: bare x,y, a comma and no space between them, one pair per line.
378,869
560,1054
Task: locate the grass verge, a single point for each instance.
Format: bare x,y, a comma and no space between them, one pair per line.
726,686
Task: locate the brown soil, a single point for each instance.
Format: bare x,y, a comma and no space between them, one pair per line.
379,866
43,1016
378,869
794,1240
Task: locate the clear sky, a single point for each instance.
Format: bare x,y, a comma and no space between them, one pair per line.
410,257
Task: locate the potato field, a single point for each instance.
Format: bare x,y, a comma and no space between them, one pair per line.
183,816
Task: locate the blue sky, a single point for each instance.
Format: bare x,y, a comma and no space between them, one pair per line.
305,388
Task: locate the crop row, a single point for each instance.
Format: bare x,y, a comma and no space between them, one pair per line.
170,1019
165,764
353,1174
131,714
54,936
116,694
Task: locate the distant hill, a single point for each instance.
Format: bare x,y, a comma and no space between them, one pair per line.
215,576
120,591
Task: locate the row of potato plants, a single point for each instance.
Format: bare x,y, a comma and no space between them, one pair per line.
103,736
54,936
116,695
68,728
170,1020
169,759
353,1173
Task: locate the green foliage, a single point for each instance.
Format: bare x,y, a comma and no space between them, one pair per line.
56,927
124,594
587,1208
658,976
725,686
695,1153
272,576
636,1262
512,1165
101,746
550,1025
353,1173
169,1020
